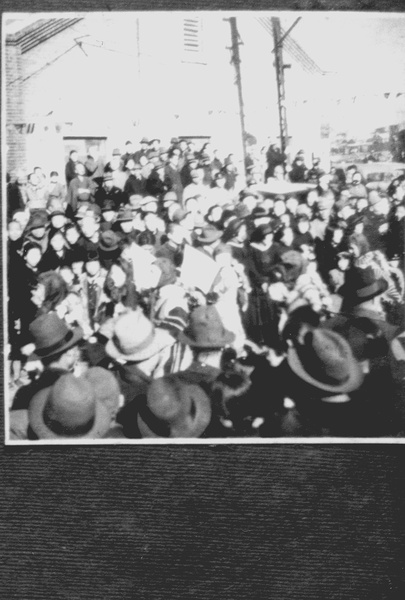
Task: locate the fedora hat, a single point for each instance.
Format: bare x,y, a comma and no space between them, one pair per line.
174,408
259,212
109,241
38,219
135,201
325,360
69,409
125,214
206,329
108,205
209,235
135,338
52,336
170,197
55,207
148,200
361,284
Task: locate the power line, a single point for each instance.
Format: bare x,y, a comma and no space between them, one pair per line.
292,47
45,66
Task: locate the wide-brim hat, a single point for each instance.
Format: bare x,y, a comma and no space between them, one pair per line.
55,207
52,336
174,408
135,338
125,214
108,205
149,200
326,362
362,285
206,330
209,235
109,241
69,409
38,219
135,202
259,212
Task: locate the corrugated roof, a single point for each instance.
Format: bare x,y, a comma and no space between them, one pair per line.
39,31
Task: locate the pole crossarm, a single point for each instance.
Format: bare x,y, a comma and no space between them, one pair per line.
292,47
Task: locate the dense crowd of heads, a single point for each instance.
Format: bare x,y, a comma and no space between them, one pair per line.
160,293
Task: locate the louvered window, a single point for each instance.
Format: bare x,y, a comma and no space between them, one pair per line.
193,50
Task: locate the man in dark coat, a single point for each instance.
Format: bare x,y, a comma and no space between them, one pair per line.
108,191
135,184
299,170
128,154
94,166
376,220
172,176
16,195
143,151
173,247
70,167
156,184
56,346
207,337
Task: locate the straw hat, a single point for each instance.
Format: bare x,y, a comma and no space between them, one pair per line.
135,338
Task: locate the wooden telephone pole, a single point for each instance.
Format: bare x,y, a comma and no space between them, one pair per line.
236,61
279,64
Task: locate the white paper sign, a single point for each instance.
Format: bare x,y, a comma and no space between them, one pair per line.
198,270
146,273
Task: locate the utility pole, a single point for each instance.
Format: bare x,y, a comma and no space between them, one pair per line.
236,61
279,64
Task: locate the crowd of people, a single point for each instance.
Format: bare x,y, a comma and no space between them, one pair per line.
297,332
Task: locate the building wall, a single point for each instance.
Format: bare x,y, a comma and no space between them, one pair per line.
15,146
129,78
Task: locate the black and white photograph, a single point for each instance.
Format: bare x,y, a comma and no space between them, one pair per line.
203,227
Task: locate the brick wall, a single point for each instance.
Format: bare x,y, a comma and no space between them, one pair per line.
15,109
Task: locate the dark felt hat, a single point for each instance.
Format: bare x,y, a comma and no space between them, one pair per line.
109,241
361,284
259,212
70,409
30,246
38,219
325,360
209,235
174,408
52,336
206,329
125,214
108,205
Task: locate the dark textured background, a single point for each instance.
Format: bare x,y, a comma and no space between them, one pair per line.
290,522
